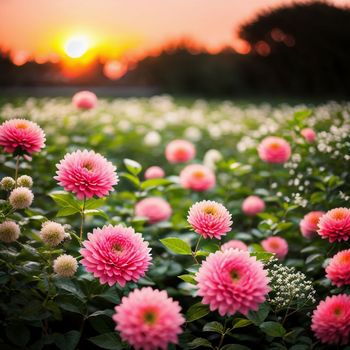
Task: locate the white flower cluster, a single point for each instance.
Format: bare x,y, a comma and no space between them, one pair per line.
289,288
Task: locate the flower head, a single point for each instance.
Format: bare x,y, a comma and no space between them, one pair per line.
85,100
148,319
331,320
21,198
9,231
309,224
338,269
52,233
154,172
308,134
335,225
65,265
86,174
179,151
21,136
253,205
209,219
116,254
197,177
232,281
276,245
7,183
274,149
155,209
235,244
25,181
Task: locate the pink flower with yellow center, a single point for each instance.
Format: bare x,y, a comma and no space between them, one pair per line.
86,174
335,225
274,149
232,281
154,172
331,320
148,319
235,244
197,177
309,224
179,151
210,219
85,100
155,209
116,254
21,136
308,134
338,269
276,245
253,205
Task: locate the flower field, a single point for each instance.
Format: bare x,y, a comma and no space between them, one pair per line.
174,224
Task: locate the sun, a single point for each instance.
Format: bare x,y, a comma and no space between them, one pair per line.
76,46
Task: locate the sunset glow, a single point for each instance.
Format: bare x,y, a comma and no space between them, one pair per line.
76,46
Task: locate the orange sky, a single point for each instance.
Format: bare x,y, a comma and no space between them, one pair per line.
118,26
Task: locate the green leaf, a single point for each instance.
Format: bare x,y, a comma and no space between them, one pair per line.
317,197
107,341
65,199
96,212
303,114
93,203
154,183
188,278
197,342
235,347
177,245
273,329
258,317
133,179
263,256
241,322
216,327
67,341
67,211
18,334
133,166
110,295
69,286
106,312
197,311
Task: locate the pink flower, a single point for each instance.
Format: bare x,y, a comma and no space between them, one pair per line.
335,225
274,149
338,269
179,151
116,254
232,281
235,244
21,136
308,225
253,205
197,177
154,172
86,174
209,219
308,134
276,245
148,319
155,209
331,320
85,100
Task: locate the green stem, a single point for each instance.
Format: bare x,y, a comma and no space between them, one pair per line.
223,334
82,219
16,171
195,250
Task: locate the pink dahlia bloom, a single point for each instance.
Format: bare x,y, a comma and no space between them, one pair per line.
21,136
86,174
116,254
155,209
179,151
154,172
232,281
274,149
335,225
148,319
276,245
309,224
209,219
308,134
235,244
331,320
338,269
253,205
197,177
85,100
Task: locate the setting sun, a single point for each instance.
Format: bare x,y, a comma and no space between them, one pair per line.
77,46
